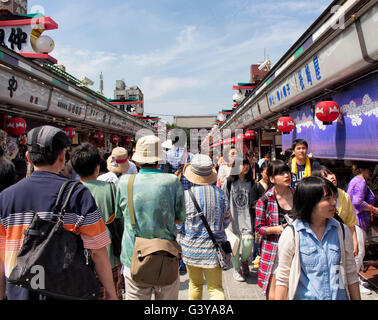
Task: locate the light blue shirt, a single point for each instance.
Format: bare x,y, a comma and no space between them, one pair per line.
320,277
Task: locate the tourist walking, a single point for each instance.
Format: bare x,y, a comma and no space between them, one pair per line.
118,165
316,259
362,198
158,205
344,206
38,193
199,252
273,213
301,164
86,161
238,189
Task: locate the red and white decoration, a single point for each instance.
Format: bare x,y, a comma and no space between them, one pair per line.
285,124
327,111
114,139
15,126
98,136
250,135
70,132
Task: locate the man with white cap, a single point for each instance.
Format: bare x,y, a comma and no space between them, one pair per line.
118,165
158,201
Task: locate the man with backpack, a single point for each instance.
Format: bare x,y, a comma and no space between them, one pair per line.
86,161
38,193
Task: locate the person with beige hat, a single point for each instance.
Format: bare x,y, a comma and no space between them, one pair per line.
158,201
118,165
199,252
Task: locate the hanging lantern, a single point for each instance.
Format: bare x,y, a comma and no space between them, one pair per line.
70,132
114,139
285,124
15,126
233,140
240,137
127,140
98,136
327,111
250,135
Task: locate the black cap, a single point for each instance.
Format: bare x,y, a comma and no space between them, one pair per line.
43,139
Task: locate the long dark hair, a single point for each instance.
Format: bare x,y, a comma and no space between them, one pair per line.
308,194
238,161
277,167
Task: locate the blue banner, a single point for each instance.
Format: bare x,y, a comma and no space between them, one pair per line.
353,136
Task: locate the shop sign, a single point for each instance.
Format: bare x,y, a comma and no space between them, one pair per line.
96,116
65,106
19,91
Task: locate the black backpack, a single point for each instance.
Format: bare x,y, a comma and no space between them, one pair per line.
66,268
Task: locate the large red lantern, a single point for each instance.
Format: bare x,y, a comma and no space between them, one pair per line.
285,124
327,111
250,135
114,139
240,137
70,132
98,136
15,126
127,140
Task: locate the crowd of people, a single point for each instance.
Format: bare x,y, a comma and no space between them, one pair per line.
287,217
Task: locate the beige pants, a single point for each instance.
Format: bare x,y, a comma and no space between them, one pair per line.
141,291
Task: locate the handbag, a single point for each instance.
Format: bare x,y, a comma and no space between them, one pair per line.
67,271
115,227
223,249
154,262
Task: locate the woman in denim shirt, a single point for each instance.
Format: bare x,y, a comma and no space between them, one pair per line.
315,261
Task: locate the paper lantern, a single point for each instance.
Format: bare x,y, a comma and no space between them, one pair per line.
15,126
327,111
127,140
250,135
70,132
44,44
240,137
98,136
285,124
114,139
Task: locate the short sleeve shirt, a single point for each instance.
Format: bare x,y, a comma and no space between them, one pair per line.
38,193
158,200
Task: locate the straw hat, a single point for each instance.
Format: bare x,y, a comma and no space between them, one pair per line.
148,150
200,170
118,161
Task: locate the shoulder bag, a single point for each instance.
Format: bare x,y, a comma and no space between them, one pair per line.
224,248
52,261
154,262
115,226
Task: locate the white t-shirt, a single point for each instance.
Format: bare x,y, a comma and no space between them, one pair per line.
112,177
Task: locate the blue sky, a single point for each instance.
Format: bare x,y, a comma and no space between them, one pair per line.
184,55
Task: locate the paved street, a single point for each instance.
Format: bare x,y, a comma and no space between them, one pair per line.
248,290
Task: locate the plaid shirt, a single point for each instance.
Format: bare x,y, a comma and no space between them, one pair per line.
174,158
267,216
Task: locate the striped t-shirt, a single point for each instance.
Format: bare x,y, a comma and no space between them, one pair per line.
38,193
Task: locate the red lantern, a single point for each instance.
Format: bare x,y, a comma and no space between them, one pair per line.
98,136
250,135
127,140
327,111
233,140
240,137
70,132
114,139
285,124
15,126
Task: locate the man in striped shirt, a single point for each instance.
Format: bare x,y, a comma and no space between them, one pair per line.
46,151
